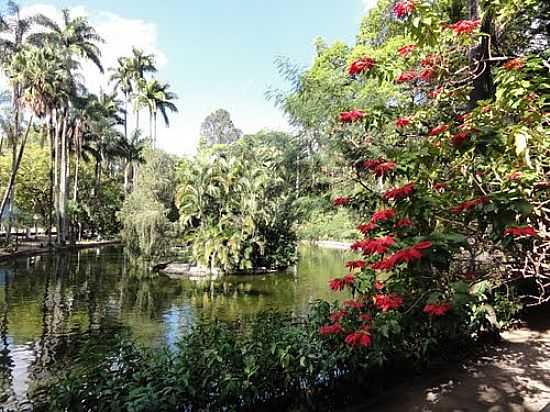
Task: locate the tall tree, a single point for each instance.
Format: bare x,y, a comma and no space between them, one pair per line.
156,97
218,128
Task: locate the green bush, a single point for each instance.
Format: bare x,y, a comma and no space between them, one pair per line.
323,225
271,362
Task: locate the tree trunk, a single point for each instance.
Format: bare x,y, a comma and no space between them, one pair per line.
63,183
126,171
154,130
76,171
51,132
15,168
126,117
151,127
483,86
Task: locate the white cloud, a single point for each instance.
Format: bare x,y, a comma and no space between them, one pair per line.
369,4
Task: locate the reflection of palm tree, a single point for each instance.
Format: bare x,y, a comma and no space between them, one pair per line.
7,392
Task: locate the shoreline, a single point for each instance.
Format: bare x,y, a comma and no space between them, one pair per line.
28,251
329,244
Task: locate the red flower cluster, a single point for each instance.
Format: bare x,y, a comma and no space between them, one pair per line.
406,255
362,65
382,215
427,74
442,128
334,329
352,116
341,283
404,8
338,315
355,264
403,121
406,50
366,228
378,285
374,246
460,138
515,64
342,201
404,223
388,302
464,26
519,231
400,193
440,187
380,167
437,309
469,205
407,76
359,338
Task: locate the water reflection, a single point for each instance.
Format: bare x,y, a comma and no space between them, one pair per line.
49,304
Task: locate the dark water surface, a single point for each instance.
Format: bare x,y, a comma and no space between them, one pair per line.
47,303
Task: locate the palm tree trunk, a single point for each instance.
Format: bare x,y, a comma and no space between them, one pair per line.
57,160
126,117
76,170
154,130
63,183
126,171
51,133
15,168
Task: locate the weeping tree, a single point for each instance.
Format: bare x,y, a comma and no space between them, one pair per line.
148,213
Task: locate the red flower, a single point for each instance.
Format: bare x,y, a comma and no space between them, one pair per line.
515,64
437,309
519,231
359,338
404,223
388,302
356,264
342,201
381,245
338,315
354,304
400,193
404,8
338,284
464,26
378,285
406,255
442,128
372,164
362,65
406,50
440,187
426,74
352,116
382,215
366,228
334,329
460,137
384,168
403,121
469,204
407,76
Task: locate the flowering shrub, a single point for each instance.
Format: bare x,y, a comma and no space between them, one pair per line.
453,173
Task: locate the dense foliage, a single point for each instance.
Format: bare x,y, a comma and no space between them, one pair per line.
273,362
237,207
442,127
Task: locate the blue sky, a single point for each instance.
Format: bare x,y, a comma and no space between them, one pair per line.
217,53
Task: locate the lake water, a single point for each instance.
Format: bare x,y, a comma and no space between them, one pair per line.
49,302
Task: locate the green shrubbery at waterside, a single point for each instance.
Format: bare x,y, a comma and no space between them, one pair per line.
272,361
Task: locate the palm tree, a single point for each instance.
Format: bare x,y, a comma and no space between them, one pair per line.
122,78
13,31
75,38
41,77
131,150
156,97
138,65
